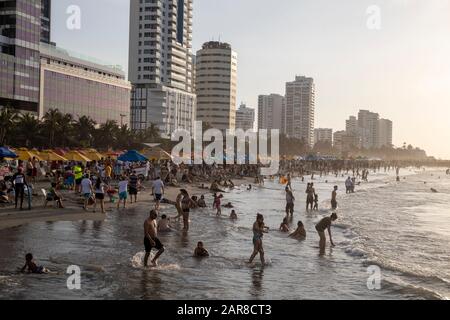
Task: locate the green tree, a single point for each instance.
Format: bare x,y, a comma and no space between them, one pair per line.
8,120
28,131
51,122
84,130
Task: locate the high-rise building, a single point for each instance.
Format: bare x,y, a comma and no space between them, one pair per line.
245,118
323,135
300,104
351,125
271,109
344,141
368,128
46,10
20,35
160,64
36,76
384,133
216,83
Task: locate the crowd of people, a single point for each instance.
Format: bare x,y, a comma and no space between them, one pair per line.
122,181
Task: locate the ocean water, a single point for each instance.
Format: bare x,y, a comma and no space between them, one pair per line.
400,227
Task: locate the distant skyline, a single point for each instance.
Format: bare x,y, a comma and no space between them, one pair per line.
401,72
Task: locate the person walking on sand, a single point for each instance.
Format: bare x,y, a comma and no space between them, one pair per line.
334,203
100,194
258,232
158,191
19,180
325,224
86,190
151,239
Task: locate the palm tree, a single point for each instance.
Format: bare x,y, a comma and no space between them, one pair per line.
124,138
65,132
106,135
8,119
84,129
28,128
50,125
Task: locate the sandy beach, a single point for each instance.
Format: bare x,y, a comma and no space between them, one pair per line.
10,217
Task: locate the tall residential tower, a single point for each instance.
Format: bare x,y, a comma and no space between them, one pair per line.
216,82
300,108
160,65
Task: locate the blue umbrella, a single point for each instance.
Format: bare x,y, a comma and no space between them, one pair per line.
132,156
6,153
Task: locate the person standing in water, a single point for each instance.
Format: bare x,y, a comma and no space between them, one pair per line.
289,202
258,232
184,204
151,239
325,224
334,203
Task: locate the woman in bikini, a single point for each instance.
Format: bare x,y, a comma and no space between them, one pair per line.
258,231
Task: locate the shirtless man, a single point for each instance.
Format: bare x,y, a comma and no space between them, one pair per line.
323,225
333,198
151,239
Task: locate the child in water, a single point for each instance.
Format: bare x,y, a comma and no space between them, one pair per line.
32,267
300,233
164,224
200,251
217,203
284,226
233,215
316,202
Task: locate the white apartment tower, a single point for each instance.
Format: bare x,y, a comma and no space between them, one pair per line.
384,133
300,105
271,109
368,126
160,65
216,83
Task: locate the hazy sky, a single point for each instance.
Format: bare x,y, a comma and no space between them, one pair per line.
401,71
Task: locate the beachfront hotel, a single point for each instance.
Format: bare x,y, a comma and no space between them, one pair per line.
216,85
300,109
160,65
271,112
36,76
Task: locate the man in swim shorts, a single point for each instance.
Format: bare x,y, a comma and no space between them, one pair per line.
151,239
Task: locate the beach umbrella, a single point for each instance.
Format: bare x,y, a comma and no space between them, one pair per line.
157,153
76,156
132,156
7,153
25,154
49,155
93,154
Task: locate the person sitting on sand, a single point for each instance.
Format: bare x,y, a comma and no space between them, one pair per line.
228,205
164,224
201,202
53,195
200,251
32,267
233,215
300,233
284,226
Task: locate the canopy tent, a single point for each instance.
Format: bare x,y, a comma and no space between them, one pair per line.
25,155
7,153
132,156
76,156
49,155
157,153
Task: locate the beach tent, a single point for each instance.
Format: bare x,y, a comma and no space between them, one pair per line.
76,156
24,155
157,153
132,156
49,155
7,153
